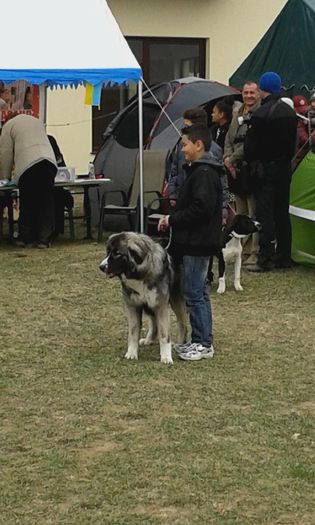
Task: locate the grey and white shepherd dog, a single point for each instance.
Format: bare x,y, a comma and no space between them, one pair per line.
149,285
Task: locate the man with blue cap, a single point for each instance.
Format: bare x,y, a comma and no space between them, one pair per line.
271,142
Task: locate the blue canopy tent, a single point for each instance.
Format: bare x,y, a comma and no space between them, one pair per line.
69,43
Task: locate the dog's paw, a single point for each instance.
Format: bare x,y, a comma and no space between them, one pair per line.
238,287
166,353
167,360
221,287
131,354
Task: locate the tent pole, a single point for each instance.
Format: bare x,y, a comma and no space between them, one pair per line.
141,185
42,102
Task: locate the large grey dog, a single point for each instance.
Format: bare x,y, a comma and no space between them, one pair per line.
149,284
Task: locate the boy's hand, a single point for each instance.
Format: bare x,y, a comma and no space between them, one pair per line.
163,223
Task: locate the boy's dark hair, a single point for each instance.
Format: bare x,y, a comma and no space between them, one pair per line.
196,115
225,108
198,132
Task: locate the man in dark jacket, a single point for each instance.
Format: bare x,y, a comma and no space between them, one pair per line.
271,140
196,228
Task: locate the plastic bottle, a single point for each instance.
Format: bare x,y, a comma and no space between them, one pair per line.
91,170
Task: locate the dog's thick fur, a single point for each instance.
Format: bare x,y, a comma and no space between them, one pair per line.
240,227
148,283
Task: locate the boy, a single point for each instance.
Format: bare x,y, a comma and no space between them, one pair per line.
196,228
191,116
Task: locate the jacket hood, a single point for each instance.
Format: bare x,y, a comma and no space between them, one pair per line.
216,155
210,157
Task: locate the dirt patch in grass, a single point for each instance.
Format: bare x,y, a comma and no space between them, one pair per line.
166,515
96,449
307,407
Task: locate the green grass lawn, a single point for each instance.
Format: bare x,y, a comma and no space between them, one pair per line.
90,438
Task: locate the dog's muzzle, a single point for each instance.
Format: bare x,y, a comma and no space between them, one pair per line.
104,265
258,225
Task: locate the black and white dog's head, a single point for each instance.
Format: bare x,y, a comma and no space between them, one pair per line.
241,226
133,255
124,255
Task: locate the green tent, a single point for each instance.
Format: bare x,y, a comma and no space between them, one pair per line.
288,48
302,211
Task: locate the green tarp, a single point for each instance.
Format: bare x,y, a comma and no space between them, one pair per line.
302,211
288,48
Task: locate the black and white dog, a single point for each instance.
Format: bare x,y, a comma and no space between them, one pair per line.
232,235
149,285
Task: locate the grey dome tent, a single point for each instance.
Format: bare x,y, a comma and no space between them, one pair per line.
287,48
116,157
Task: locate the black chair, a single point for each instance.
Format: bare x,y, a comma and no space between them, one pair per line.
154,169
63,211
69,216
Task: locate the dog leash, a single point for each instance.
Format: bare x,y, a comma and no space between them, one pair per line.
169,240
232,209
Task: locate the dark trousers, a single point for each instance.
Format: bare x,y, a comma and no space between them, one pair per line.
272,193
36,190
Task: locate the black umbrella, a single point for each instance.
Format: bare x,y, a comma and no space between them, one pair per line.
189,92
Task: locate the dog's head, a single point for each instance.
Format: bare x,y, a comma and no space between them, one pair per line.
243,225
125,255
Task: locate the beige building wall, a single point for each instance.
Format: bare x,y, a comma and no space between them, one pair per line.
69,121
232,29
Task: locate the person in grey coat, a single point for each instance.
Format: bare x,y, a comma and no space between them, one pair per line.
26,153
238,170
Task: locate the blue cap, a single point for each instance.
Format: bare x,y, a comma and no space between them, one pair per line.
270,82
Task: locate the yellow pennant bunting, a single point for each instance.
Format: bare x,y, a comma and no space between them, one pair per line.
88,94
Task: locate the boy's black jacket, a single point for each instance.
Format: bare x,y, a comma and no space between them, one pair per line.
196,221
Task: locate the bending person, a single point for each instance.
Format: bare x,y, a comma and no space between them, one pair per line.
24,145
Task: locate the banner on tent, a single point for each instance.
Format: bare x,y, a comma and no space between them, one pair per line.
20,97
93,94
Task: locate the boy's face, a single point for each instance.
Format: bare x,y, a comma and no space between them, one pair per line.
192,150
187,123
216,115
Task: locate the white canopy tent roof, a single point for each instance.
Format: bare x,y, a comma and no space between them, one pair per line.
66,42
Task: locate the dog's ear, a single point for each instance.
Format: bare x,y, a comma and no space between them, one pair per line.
112,242
135,256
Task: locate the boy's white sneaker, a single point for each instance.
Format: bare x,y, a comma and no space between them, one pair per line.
197,353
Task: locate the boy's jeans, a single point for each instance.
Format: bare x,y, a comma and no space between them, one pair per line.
193,277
